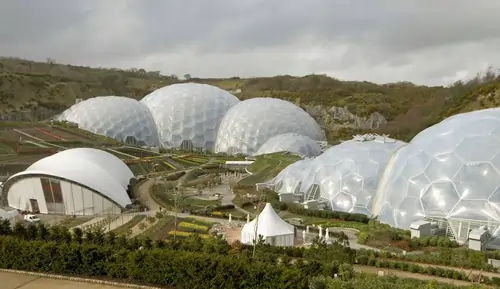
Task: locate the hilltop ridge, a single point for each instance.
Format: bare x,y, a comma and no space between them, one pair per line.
32,90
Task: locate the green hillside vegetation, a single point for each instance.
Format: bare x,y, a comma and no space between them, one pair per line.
409,108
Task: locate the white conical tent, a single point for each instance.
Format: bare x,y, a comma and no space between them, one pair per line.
271,227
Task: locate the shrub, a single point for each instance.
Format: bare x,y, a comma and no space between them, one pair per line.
192,227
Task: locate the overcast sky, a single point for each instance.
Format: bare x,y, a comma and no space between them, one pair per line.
423,41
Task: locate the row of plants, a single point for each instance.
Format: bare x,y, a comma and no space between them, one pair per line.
458,257
184,234
190,227
367,281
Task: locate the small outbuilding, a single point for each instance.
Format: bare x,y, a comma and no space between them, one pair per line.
274,230
80,181
477,239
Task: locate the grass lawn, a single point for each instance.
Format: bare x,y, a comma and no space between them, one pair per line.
268,166
73,222
237,214
159,231
123,229
166,200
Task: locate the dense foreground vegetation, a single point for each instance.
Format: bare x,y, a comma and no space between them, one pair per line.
194,262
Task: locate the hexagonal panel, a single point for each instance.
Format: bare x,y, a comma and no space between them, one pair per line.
443,167
330,186
415,164
343,202
495,197
417,186
480,127
478,210
407,212
478,148
438,145
396,191
352,183
368,169
439,199
476,181
364,199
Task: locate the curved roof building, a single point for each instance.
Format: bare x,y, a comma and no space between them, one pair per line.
78,181
122,118
250,123
290,142
187,115
448,172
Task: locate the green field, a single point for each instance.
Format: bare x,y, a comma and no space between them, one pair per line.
268,166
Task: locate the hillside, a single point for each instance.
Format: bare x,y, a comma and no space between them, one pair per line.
35,90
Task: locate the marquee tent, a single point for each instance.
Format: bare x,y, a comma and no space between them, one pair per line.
271,227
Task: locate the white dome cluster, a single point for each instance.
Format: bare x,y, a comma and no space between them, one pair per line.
250,123
200,116
449,171
121,118
290,142
188,115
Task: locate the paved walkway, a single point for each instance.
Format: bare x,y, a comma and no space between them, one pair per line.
352,237
21,281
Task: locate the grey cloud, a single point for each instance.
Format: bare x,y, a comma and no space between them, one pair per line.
424,41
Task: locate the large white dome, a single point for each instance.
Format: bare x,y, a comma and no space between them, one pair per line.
121,118
188,115
249,124
290,142
289,180
345,177
348,174
449,171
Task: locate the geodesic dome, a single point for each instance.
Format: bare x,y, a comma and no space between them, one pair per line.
346,176
122,118
290,142
187,115
250,123
449,171
289,180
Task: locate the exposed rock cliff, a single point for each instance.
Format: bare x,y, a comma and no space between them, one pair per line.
334,117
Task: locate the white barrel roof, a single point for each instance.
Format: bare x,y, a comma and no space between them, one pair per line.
96,169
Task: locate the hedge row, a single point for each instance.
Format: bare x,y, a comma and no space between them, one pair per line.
197,269
160,266
444,256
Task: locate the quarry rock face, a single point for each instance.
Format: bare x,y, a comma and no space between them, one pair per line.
336,117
